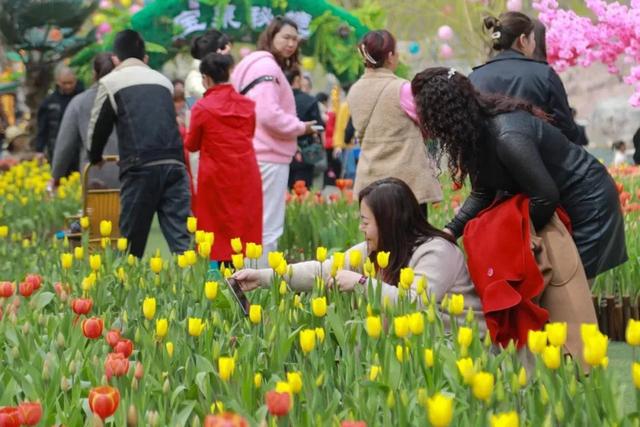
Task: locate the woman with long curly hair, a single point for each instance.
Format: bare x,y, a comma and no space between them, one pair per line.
507,146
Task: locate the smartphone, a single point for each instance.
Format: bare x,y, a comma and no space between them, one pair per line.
317,128
239,296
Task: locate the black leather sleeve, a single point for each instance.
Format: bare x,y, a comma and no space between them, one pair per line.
520,156
479,199
559,105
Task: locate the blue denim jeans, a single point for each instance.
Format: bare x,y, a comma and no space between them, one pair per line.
149,189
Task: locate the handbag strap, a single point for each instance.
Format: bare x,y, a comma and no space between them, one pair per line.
257,81
361,132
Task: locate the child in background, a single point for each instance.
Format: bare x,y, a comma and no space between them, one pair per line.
619,153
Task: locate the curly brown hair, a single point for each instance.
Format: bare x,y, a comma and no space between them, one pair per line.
457,116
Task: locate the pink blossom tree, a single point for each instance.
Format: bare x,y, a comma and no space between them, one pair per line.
611,37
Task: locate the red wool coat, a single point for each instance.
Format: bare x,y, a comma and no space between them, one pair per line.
229,197
504,270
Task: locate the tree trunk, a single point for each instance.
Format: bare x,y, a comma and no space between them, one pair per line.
38,79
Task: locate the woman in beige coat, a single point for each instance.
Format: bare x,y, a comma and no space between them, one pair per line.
393,222
384,116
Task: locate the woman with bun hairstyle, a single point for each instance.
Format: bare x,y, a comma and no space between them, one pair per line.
517,71
260,75
221,129
384,118
213,41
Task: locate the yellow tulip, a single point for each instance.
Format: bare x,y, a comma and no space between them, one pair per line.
236,245
105,228
78,253
505,419
428,357
465,336
401,326
182,261
217,407
196,326
551,357
211,290
456,304
416,323
373,326
4,231
588,329
209,237
192,224
319,306
131,260
537,341
320,334
321,254
204,249
595,349
84,222
522,377
120,274
383,259
250,250
199,236
338,261
282,268
122,244
169,347
422,284
633,332
369,268
149,308
307,340
226,366
238,261
283,387
66,260
190,257
162,327
104,242
482,385
635,374
440,410
257,380
466,369
95,262
295,381
255,313
556,333
355,259
274,259
401,352
282,289
156,264
406,278
374,372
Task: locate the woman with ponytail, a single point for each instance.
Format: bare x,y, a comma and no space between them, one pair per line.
517,70
384,117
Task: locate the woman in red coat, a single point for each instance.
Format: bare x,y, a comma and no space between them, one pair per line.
229,197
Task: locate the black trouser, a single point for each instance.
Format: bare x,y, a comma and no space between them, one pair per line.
149,189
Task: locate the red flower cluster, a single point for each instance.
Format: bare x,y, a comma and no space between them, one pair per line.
6,289
116,365
226,419
25,414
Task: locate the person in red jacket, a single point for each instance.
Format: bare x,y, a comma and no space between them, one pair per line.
229,197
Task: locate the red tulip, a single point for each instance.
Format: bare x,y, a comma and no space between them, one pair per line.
226,419
6,289
81,305
26,289
278,404
353,424
30,413
104,401
92,328
35,280
9,417
116,365
139,372
113,337
125,347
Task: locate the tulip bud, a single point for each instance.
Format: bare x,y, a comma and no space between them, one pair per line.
153,418
65,384
15,353
166,387
60,340
139,372
25,329
132,416
559,411
46,375
391,400
134,384
72,367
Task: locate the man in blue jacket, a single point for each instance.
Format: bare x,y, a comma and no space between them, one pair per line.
139,102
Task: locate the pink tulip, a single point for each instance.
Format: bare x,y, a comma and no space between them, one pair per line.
103,28
445,32
446,52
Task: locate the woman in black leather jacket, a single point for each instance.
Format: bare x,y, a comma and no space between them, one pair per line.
518,71
506,146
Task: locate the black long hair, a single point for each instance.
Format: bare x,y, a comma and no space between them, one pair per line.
401,222
452,112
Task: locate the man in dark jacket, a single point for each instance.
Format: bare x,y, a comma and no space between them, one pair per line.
139,102
52,109
513,74
307,109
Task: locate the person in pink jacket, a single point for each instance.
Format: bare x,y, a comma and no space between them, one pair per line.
260,77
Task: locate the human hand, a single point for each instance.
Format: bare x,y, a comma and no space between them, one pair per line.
346,280
248,279
308,127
